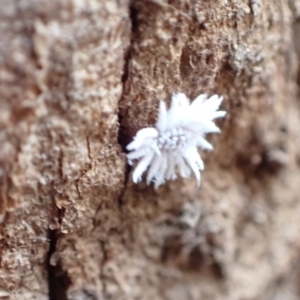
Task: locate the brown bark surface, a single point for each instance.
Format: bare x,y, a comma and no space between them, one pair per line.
77,80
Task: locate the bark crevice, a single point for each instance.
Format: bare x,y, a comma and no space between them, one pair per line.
58,280
123,136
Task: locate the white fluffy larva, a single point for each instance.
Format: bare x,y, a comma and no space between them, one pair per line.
171,147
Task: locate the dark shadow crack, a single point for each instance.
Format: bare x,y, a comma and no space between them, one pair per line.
123,137
58,280
126,178
104,288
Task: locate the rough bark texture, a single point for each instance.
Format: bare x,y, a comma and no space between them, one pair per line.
77,80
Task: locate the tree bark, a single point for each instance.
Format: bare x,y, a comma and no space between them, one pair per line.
77,80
